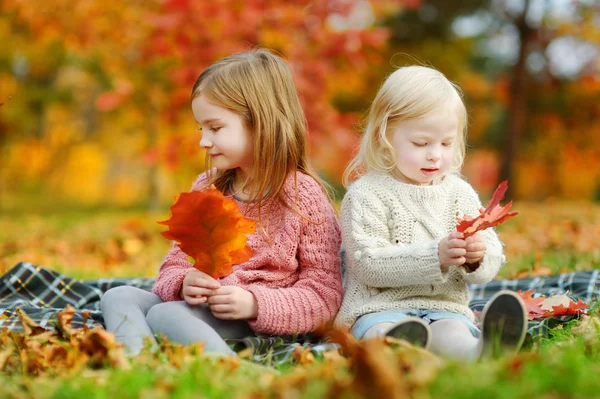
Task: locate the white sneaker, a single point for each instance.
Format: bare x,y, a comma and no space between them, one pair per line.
503,326
413,330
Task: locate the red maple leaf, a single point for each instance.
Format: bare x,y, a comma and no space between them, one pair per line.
533,305
573,308
210,228
491,216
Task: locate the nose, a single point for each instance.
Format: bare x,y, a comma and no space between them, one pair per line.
434,154
205,142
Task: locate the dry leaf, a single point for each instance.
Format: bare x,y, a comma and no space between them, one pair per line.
572,309
303,356
588,328
533,305
210,228
491,216
555,300
552,306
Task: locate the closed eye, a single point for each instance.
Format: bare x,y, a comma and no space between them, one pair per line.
420,144
447,144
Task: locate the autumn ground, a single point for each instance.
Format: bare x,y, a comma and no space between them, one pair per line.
546,238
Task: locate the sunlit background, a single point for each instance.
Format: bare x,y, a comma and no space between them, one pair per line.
95,101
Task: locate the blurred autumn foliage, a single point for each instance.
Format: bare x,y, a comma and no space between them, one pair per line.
95,93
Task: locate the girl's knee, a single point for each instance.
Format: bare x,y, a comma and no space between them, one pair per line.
114,296
118,296
163,312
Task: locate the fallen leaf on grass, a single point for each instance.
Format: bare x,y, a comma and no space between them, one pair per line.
210,228
552,306
533,305
588,328
62,350
303,356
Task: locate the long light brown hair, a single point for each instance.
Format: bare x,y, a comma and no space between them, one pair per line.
259,87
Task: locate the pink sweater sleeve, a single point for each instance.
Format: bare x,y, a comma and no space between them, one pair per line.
175,266
316,297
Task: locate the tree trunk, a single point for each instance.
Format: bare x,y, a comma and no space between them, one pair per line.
517,106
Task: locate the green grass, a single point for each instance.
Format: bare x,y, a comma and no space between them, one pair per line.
102,242
568,368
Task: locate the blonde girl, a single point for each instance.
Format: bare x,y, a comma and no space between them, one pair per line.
407,268
254,134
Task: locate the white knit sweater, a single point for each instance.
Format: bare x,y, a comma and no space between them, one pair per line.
391,231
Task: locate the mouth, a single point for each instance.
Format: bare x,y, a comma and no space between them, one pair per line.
214,155
429,171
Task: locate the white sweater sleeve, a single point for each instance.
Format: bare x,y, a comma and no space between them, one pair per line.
373,259
494,257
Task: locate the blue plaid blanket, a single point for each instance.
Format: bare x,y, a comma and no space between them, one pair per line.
42,293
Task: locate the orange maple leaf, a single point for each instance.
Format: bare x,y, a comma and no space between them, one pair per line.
573,308
210,228
533,305
491,216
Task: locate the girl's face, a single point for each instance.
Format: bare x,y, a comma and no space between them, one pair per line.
425,146
224,136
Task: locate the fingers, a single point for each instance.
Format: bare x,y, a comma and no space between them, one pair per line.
197,291
474,257
222,306
207,283
478,246
455,234
191,300
457,243
224,315
221,309
201,279
458,261
456,252
220,300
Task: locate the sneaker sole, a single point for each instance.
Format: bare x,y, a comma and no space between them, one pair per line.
413,330
504,324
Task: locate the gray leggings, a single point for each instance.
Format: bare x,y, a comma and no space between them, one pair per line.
133,314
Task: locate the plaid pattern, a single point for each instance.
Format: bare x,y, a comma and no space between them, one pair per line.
42,293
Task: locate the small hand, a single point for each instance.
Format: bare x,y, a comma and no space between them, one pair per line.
233,303
451,250
197,286
475,250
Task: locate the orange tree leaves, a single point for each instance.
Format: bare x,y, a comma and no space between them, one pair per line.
491,216
210,228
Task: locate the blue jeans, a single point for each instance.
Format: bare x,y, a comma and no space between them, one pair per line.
365,322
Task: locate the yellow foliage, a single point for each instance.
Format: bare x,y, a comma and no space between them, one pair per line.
126,190
27,159
578,173
273,39
61,130
8,86
82,175
480,120
476,86
532,179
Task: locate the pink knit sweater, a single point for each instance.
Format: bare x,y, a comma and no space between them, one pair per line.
294,272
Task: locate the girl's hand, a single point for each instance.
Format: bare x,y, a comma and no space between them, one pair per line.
233,303
197,286
451,250
475,251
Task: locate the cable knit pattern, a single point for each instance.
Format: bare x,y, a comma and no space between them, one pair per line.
295,270
391,231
